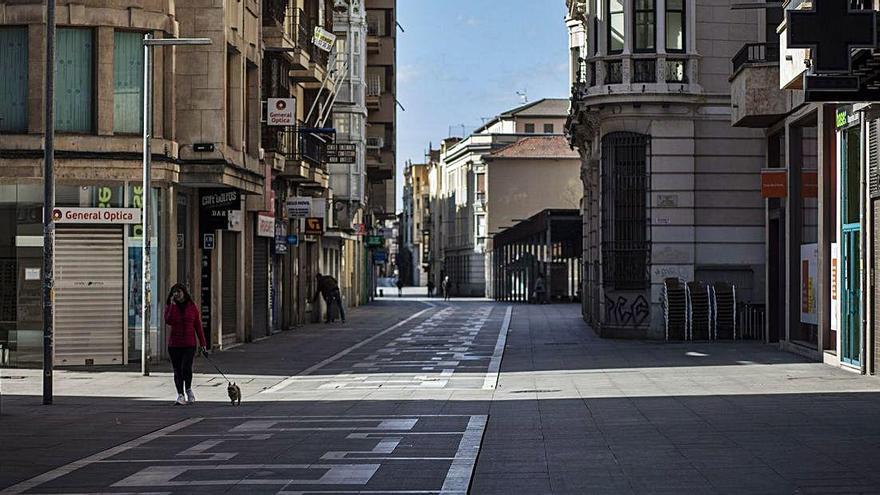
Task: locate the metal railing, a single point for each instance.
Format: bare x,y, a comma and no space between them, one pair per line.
294,145
751,320
755,53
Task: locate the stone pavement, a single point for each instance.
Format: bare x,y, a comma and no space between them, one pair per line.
413,396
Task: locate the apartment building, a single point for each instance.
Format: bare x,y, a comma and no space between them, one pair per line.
462,204
415,225
381,101
221,176
671,189
821,181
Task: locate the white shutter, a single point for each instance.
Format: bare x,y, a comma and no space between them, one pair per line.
89,305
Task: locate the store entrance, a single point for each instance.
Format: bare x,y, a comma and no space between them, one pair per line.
851,250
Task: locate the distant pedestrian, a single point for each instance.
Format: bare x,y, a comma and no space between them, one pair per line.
185,338
445,286
328,288
431,288
540,289
399,287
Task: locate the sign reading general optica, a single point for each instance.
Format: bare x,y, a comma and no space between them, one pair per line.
280,111
119,216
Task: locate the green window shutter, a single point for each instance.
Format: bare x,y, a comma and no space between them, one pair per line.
14,80
128,82
74,78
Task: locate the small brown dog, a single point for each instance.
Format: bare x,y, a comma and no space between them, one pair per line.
234,393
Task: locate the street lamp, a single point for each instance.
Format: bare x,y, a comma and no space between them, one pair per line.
146,295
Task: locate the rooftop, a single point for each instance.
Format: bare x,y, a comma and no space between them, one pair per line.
547,146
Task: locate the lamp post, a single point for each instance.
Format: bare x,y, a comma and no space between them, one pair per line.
146,292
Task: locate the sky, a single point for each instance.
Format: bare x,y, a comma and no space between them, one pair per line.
461,61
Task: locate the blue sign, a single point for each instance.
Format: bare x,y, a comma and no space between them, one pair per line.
380,257
293,240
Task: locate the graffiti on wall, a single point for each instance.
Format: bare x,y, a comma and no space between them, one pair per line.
625,311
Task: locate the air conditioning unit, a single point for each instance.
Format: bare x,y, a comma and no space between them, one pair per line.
375,142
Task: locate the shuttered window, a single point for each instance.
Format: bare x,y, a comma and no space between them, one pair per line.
128,82
74,77
14,80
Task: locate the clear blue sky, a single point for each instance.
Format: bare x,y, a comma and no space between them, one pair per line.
463,60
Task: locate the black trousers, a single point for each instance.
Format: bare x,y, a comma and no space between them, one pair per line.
182,360
334,298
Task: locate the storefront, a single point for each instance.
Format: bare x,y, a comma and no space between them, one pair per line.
98,261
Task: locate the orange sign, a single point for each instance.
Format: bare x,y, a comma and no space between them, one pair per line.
810,184
774,183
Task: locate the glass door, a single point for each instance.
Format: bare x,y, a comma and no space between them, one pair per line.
850,249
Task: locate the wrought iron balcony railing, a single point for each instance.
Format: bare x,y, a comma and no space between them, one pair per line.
755,53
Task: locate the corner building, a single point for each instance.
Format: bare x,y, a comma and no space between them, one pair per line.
671,189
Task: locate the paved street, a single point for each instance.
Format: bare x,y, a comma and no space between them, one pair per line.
423,397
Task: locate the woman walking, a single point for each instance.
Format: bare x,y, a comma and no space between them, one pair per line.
186,336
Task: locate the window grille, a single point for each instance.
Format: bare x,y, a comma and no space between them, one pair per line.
645,71
625,226
614,72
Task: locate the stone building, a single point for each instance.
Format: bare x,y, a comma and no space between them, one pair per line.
381,99
671,189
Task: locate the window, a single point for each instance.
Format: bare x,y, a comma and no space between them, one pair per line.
625,223
530,128
616,26
645,25
341,123
14,83
481,225
548,128
675,26
128,82
676,71
74,79
481,183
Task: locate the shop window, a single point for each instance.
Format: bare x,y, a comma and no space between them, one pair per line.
14,83
645,25
616,26
675,26
75,81
128,82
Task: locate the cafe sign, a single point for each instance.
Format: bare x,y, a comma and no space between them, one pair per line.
111,216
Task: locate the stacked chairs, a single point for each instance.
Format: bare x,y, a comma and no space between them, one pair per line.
701,311
724,310
676,309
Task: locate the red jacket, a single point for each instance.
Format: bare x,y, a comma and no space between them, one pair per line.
185,325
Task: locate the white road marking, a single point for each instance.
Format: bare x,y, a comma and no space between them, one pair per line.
308,371
495,365
336,474
92,459
458,478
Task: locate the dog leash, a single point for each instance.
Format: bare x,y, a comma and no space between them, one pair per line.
205,354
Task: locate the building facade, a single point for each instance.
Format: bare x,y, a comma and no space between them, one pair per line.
671,189
820,184
414,224
381,101
221,176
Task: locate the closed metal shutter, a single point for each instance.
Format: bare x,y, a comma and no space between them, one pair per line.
875,233
89,295
230,288
261,287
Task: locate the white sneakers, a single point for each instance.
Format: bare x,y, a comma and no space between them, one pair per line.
181,400
190,397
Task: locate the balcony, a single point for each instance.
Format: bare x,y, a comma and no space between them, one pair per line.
315,68
374,93
756,99
374,44
302,154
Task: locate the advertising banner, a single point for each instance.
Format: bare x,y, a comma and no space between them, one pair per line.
809,276
299,207
835,286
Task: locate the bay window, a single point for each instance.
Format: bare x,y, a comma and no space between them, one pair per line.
675,26
616,26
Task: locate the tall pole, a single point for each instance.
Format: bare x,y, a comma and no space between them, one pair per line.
48,295
146,294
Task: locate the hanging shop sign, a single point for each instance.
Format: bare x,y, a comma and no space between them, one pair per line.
299,207
265,226
832,31
111,216
380,257
280,237
774,183
344,153
219,209
293,240
281,111
375,241
360,229
846,117
314,226
323,39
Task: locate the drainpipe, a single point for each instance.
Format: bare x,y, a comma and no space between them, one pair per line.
863,341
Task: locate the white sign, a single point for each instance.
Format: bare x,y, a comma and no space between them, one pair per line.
280,111
233,218
835,286
265,226
319,208
299,207
809,273
32,274
323,39
119,216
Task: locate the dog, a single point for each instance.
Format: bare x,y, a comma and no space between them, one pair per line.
234,393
